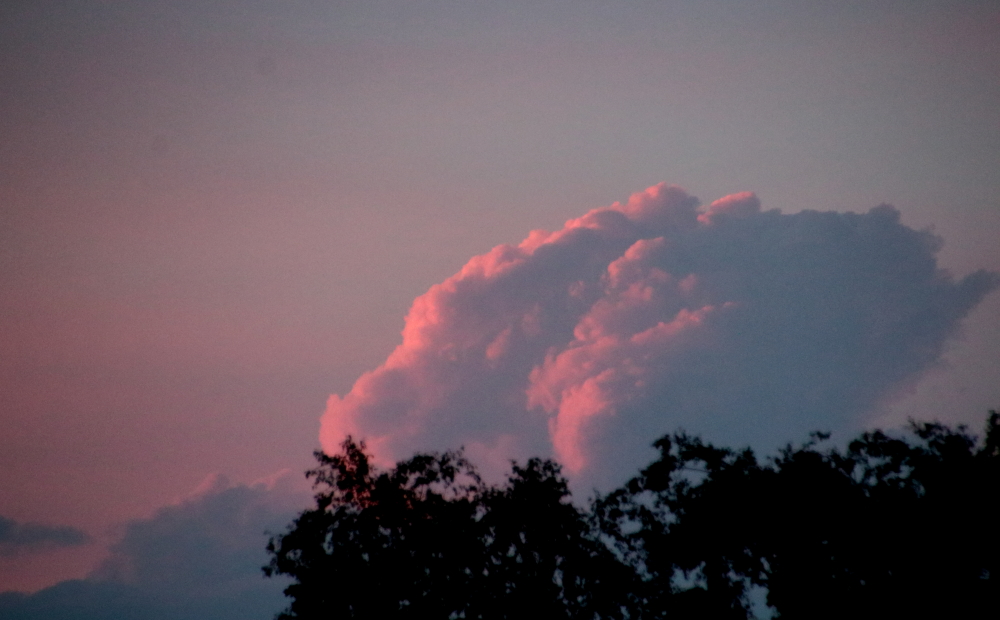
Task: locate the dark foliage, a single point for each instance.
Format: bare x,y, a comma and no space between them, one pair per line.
429,540
889,527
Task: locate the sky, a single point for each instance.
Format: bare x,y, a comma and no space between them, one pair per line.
218,218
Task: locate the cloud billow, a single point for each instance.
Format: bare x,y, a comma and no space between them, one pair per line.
747,326
200,558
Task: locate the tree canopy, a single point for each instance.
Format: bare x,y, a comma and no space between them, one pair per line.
889,526
429,540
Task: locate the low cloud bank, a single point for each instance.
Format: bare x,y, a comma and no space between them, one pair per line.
201,558
587,343
19,538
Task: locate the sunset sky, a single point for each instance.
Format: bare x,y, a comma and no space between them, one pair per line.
215,215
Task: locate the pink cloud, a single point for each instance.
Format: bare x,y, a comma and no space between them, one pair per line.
589,342
743,204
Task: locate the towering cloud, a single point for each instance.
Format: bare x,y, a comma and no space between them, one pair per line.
587,343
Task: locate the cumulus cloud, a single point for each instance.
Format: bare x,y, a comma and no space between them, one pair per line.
18,538
199,558
587,343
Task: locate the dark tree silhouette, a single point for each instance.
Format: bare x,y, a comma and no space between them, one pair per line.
544,559
888,527
429,540
382,544
891,527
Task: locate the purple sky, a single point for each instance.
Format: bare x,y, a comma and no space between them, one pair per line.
214,215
